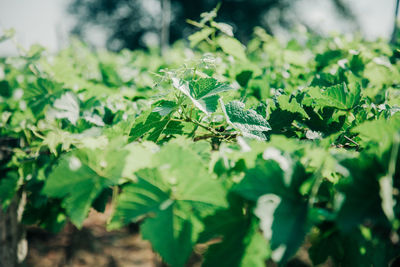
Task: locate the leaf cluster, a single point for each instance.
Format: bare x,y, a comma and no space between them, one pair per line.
251,151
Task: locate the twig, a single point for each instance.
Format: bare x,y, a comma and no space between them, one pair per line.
351,140
215,133
202,137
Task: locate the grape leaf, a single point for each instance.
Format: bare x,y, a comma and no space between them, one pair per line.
41,94
337,96
203,92
206,87
8,188
378,133
5,89
289,228
139,199
325,80
199,36
350,249
172,233
149,124
362,200
248,122
233,47
285,103
67,106
171,197
265,179
242,236
78,184
280,207
80,177
183,164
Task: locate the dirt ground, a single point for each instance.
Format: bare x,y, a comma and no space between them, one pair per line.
91,246
94,246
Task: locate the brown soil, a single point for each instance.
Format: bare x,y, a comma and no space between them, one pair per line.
94,246
91,246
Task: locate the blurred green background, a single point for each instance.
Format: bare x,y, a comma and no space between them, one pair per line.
118,24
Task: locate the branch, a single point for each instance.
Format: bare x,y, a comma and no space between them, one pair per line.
351,140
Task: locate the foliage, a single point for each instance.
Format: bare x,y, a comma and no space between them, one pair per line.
253,151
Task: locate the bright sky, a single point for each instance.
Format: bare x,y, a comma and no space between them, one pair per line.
47,23
35,21
376,17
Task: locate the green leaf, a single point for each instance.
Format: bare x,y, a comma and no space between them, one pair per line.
223,27
58,137
289,228
169,223
110,75
350,249
380,73
35,52
179,128
244,239
152,126
8,188
140,156
199,36
173,198
100,203
146,196
41,94
209,16
357,64
327,120
171,234
378,133
232,47
78,184
256,251
291,105
281,120
5,89
280,208
326,58
248,122
325,80
240,233
80,176
206,87
267,178
149,125
67,106
362,200
203,92
244,77
337,96
164,107
185,164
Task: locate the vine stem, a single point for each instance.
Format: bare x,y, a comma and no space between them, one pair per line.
113,200
351,140
316,185
187,119
37,134
210,129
